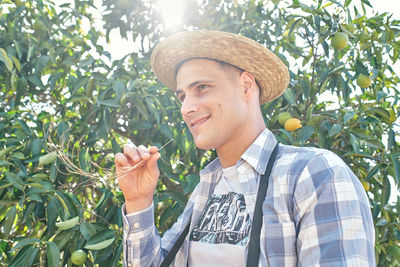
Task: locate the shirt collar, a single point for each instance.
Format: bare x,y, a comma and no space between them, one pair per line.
256,155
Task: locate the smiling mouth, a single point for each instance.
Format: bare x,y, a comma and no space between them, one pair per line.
198,122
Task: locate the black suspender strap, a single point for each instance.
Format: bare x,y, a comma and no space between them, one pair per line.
254,242
171,254
253,253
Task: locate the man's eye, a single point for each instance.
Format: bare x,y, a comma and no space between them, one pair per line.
181,98
203,86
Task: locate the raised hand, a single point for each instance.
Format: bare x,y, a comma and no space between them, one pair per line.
137,183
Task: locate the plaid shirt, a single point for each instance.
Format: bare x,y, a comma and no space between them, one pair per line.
316,212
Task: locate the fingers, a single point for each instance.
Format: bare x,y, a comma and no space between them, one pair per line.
121,160
132,155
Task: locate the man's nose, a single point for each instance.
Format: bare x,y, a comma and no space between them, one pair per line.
189,105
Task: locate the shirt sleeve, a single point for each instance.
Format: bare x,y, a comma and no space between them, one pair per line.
141,241
142,244
333,216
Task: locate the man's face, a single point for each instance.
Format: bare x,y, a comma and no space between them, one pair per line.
213,105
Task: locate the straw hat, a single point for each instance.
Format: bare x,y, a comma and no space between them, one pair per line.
269,71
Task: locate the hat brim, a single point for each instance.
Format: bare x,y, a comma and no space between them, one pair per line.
270,72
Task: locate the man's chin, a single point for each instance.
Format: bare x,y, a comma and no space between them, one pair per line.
203,144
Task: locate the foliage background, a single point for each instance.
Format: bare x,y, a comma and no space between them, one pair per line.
52,72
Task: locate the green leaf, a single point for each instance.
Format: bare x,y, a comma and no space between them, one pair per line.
336,128
35,80
24,257
87,230
304,133
18,48
59,196
101,236
63,237
10,218
348,116
24,242
25,127
52,212
141,108
53,171
48,158
360,68
396,166
175,195
289,95
165,129
117,255
53,254
6,60
41,64
372,172
100,245
16,63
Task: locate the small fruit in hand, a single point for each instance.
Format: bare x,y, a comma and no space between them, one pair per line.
283,117
363,81
293,124
340,40
78,257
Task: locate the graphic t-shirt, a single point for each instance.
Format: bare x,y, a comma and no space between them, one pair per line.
220,236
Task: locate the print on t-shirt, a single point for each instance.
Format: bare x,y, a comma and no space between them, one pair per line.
224,220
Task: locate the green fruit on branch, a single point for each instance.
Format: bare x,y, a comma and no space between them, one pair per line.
124,4
48,158
68,224
39,26
363,81
283,117
78,257
78,41
100,245
340,40
292,38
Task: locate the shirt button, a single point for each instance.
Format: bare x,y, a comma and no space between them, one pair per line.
136,225
126,228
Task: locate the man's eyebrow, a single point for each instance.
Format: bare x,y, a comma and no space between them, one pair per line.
193,84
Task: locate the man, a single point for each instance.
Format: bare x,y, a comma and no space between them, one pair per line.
315,212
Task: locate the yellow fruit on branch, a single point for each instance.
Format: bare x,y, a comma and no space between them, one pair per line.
363,81
366,185
78,257
340,40
292,124
283,117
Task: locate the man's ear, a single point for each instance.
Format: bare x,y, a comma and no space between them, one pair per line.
250,87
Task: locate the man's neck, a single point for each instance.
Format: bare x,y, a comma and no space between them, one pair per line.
231,152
